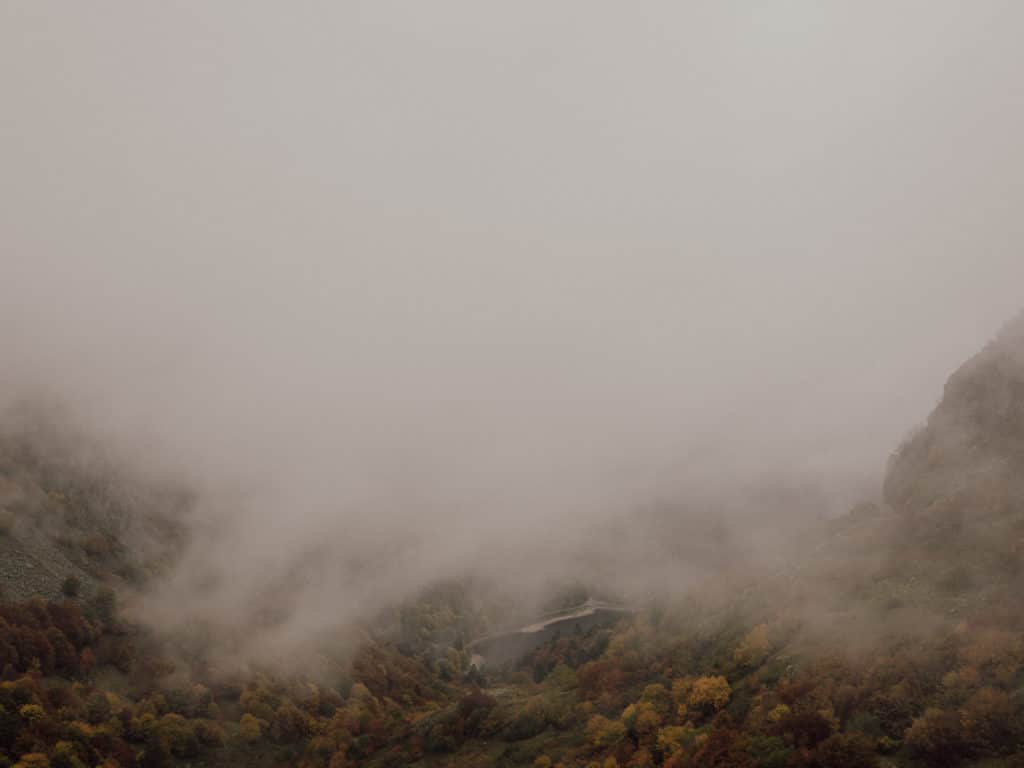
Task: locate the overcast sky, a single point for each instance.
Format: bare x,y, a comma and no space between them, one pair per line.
455,261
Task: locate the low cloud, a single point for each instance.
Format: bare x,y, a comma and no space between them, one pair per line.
532,295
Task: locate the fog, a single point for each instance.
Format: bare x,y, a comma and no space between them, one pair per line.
414,290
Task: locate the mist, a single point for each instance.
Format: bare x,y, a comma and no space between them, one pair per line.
411,291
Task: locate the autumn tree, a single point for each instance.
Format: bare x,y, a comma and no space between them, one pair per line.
753,649
846,751
603,732
249,728
937,735
709,694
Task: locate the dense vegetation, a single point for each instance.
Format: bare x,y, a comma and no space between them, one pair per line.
895,638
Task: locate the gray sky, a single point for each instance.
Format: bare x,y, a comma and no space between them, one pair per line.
496,269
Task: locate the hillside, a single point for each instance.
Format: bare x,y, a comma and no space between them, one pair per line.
969,457
892,638
70,521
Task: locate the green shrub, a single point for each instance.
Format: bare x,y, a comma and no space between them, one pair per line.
71,587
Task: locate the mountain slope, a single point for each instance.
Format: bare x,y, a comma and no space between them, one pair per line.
970,455
894,638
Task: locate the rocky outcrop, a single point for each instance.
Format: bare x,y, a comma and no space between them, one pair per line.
30,568
970,454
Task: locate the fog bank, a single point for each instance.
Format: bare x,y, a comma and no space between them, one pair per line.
411,290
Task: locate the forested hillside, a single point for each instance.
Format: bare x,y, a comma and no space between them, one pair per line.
894,637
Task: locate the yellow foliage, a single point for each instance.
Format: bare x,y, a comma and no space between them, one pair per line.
672,738
249,728
84,728
991,646
360,692
986,715
963,679
709,692
643,717
829,714
64,755
604,732
681,689
628,715
117,704
933,732
658,697
141,727
32,712
754,647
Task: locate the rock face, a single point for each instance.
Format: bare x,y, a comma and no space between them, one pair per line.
33,565
31,559
62,518
970,454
